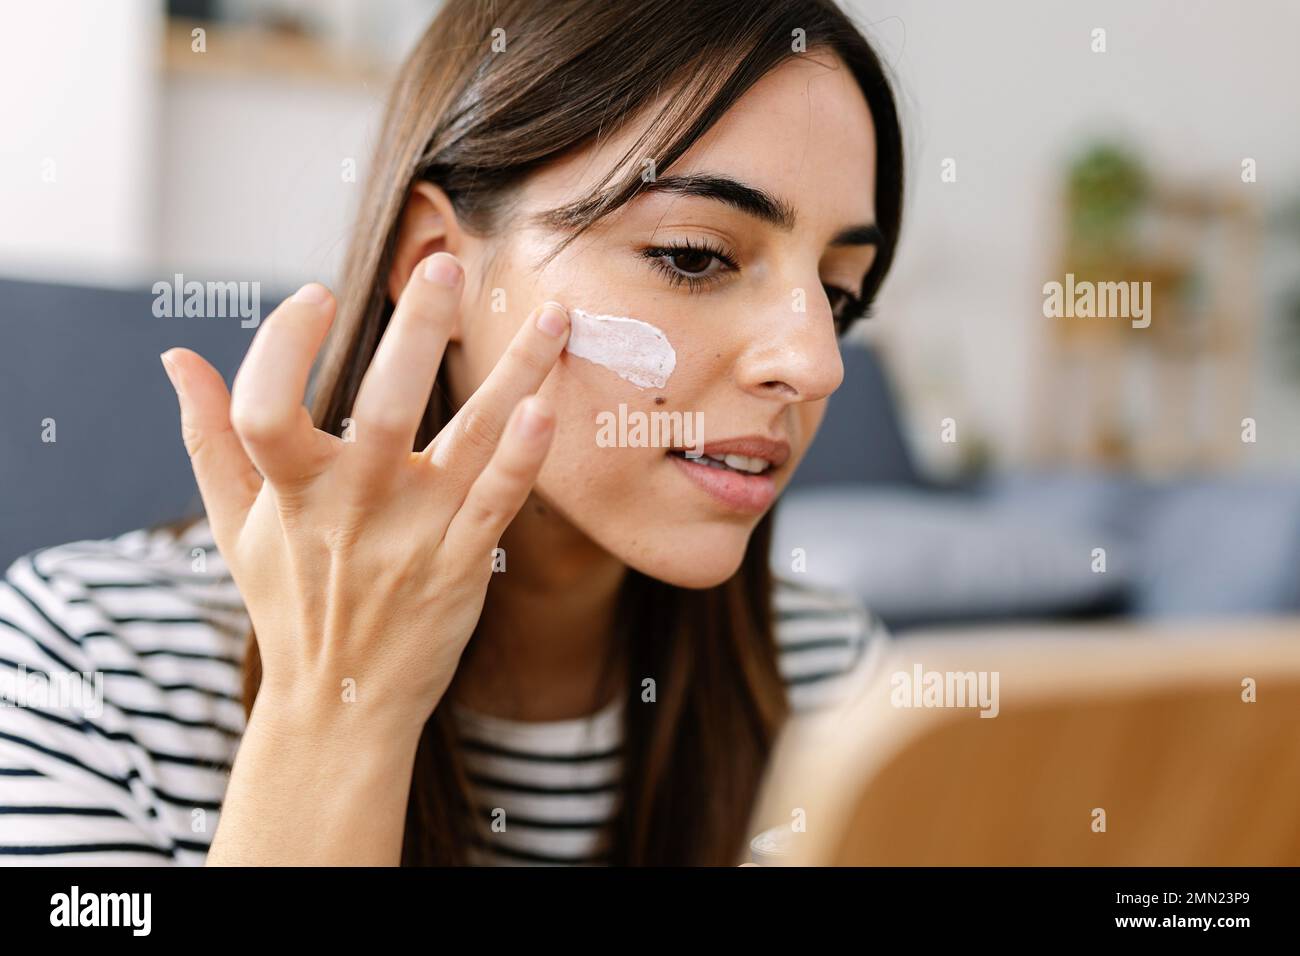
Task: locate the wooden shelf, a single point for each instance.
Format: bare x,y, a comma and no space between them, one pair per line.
240,51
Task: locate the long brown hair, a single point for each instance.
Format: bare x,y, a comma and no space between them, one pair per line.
476,120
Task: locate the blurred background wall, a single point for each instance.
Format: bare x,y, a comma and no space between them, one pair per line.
1013,91
79,102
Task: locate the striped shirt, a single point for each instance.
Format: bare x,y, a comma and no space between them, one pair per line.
120,711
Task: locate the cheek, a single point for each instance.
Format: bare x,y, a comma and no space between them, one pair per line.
605,487
580,469
810,418
615,367
807,420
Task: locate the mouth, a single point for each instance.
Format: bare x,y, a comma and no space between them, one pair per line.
737,474
744,464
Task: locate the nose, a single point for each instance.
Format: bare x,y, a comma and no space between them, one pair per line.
792,354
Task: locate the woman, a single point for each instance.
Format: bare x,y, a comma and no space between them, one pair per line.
481,631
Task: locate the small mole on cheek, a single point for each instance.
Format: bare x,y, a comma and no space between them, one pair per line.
659,399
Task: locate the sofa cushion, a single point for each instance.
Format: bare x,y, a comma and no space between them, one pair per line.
919,557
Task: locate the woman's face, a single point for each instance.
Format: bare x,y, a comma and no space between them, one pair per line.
753,326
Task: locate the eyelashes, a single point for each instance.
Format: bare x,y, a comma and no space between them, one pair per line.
846,307
661,258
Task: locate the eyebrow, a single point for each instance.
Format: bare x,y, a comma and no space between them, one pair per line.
756,202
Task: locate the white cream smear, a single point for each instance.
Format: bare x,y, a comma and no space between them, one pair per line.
634,350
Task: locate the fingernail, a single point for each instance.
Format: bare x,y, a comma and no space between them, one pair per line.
553,319
442,268
313,293
170,368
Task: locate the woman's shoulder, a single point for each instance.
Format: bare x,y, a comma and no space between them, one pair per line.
823,636
120,666
154,593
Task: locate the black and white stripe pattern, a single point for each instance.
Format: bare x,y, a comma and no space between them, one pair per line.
158,620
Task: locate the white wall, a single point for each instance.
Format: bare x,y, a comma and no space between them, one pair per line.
253,187
78,107
253,184
210,172
1005,88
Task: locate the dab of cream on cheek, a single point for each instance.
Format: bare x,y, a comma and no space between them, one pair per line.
634,350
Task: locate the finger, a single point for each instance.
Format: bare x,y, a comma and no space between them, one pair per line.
394,393
468,441
501,490
266,407
227,480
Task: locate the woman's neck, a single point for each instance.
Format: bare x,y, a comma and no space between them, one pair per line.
547,627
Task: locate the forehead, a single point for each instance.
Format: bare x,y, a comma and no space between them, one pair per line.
803,132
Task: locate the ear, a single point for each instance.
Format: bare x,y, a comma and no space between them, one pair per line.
427,225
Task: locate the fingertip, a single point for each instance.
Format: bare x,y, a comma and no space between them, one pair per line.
535,417
539,406
168,359
553,319
179,357
442,268
199,386
186,363
313,293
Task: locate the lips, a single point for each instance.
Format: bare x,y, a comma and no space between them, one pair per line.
737,472
776,451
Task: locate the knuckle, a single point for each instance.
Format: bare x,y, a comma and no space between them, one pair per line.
486,513
254,423
383,428
292,509
344,534
193,439
513,473
479,429
524,356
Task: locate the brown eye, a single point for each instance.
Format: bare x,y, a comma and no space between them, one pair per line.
693,262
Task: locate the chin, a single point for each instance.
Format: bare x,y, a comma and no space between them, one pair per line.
691,557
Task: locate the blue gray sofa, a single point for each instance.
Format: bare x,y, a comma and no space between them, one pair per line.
88,359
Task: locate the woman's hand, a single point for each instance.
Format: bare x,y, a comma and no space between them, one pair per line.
363,565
